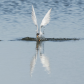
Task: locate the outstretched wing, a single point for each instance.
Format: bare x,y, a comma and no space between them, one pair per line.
46,19
34,16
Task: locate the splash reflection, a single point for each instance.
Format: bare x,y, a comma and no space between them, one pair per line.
43,58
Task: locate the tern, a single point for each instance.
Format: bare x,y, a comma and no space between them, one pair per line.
44,22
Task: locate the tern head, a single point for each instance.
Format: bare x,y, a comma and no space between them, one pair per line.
37,34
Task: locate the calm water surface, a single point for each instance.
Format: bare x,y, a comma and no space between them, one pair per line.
46,62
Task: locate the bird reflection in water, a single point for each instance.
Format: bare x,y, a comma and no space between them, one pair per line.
43,58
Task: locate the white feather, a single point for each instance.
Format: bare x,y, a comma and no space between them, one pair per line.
34,16
46,19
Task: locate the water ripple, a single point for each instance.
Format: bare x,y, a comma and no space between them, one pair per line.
67,17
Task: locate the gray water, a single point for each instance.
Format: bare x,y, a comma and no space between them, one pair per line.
23,62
